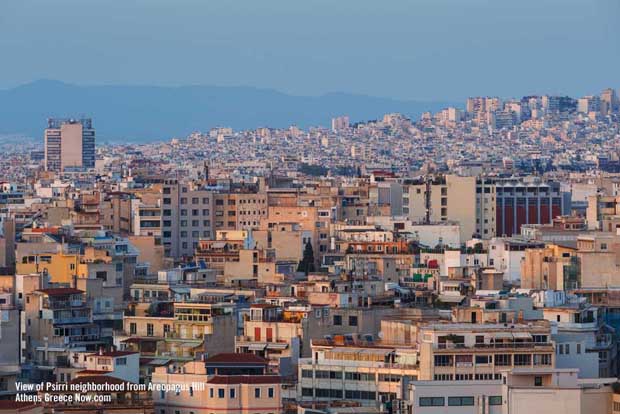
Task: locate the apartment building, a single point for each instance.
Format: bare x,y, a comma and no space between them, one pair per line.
188,215
179,331
119,364
442,198
554,266
364,372
202,393
464,352
69,144
583,340
518,390
9,339
57,320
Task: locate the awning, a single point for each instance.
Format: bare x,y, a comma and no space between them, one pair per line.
522,335
257,347
451,298
277,345
381,352
503,335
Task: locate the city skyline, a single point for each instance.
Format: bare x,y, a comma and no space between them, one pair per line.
320,207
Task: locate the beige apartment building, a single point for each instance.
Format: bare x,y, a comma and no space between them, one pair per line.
465,352
187,216
69,144
215,394
600,260
178,330
452,198
517,391
365,372
553,267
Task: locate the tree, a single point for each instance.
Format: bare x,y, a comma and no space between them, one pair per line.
307,262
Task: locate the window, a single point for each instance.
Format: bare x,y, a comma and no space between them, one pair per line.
578,348
306,373
460,401
121,361
539,338
220,393
523,359
328,374
443,360
337,320
538,381
502,360
270,392
495,400
328,393
360,395
256,392
210,392
191,391
542,359
132,328
483,359
307,392
352,320
232,393
389,378
359,376
432,401
149,329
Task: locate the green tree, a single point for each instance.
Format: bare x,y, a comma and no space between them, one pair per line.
307,262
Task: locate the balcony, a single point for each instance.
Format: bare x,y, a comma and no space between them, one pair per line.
72,320
546,346
257,345
65,304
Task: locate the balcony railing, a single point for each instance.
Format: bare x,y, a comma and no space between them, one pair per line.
496,345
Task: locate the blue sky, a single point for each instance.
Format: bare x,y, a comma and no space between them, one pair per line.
414,49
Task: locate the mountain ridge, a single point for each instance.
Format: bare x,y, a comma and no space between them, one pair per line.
143,113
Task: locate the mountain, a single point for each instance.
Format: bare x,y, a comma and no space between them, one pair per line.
152,113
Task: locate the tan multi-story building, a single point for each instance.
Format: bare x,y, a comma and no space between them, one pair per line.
463,352
553,267
57,320
450,198
187,213
365,372
69,144
201,393
599,258
178,330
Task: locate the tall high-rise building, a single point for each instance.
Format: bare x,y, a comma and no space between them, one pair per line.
589,104
69,144
609,101
340,123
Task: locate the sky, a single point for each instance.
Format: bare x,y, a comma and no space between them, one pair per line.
405,49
